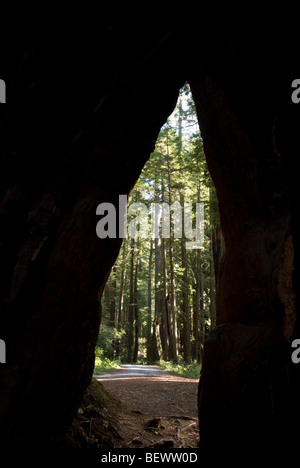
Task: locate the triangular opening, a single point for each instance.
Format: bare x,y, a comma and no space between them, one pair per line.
159,302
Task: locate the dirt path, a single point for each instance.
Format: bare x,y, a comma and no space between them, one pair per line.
160,409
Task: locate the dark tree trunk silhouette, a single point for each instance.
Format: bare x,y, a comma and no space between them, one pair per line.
136,312
131,306
172,300
150,350
186,320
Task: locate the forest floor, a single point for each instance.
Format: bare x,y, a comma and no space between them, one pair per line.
152,407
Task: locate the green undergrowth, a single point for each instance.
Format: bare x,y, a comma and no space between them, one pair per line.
104,364
191,371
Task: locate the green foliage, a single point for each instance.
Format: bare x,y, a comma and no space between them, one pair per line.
104,364
191,371
107,338
175,171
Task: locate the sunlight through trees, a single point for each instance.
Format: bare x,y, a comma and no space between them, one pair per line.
159,301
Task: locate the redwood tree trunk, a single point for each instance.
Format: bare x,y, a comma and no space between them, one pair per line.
136,313
67,145
186,319
245,378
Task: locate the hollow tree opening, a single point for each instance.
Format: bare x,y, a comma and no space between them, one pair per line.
159,301
51,261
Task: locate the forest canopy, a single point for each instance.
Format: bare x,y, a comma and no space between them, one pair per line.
159,300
